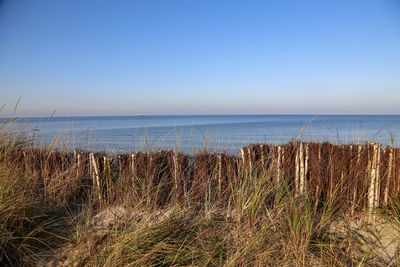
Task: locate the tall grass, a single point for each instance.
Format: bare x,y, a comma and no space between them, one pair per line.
257,225
32,204
156,210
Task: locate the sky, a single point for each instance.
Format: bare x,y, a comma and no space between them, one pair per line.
81,58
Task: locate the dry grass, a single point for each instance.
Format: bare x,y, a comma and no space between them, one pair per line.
157,210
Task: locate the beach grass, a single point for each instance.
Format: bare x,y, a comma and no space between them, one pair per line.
137,211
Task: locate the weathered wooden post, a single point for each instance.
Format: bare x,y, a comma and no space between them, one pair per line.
108,175
342,148
319,164
378,176
302,169
319,153
79,164
77,159
175,160
359,149
150,178
305,168
278,167
371,195
396,169
105,169
373,165
250,163
119,166
219,158
262,156
353,201
95,175
389,176
301,166
243,161
91,169
297,170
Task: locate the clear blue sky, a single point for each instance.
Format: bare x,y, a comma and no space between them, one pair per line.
200,57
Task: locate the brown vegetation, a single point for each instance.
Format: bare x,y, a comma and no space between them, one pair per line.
273,205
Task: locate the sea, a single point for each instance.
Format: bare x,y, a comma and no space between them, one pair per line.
193,133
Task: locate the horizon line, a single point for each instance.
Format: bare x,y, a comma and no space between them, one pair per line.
165,115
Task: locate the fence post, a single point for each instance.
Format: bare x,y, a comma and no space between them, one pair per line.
95,175
243,159
378,178
262,156
297,170
175,159
278,174
389,176
219,157
305,168
302,169
396,170
105,167
78,163
373,196
108,176
319,153
359,150
249,156
354,189
119,166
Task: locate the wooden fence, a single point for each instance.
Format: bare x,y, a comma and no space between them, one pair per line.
364,176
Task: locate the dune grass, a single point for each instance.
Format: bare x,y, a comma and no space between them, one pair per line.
52,214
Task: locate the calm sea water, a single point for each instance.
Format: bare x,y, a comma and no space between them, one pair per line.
214,132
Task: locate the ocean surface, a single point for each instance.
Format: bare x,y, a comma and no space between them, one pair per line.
188,133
